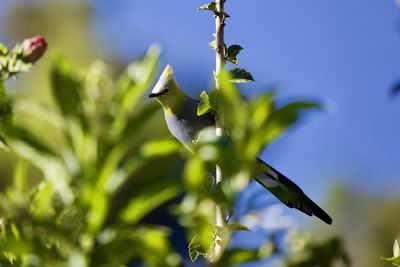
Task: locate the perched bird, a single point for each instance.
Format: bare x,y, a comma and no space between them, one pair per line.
184,124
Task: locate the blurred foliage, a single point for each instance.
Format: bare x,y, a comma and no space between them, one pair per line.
103,177
72,217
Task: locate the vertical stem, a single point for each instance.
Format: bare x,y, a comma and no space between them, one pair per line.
219,66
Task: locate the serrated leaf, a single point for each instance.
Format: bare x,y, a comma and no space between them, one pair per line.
232,53
239,75
204,105
212,6
233,227
195,249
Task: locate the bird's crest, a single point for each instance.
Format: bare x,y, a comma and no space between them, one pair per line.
167,92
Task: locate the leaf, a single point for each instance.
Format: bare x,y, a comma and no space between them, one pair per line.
204,105
233,227
195,249
66,87
3,143
212,6
394,260
240,76
30,147
284,117
158,148
3,50
6,112
195,173
232,53
396,248
148,198
212,44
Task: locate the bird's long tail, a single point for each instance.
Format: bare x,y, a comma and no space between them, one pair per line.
289,193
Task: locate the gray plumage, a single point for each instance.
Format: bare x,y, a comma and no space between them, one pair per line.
184,124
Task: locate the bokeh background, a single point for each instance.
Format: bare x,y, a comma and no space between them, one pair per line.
344,53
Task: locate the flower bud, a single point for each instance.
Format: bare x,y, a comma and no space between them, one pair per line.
34,48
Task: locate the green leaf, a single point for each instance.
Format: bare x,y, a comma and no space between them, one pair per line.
195,249
240,76
158,148
212,6
204,105
212,44
284,117
3,50
233,227
30,147
195,174
6,112
66,87
394,260
232,53
148,198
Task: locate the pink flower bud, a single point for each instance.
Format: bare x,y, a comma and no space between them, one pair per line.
34,48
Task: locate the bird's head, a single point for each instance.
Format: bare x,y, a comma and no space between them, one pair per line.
167,92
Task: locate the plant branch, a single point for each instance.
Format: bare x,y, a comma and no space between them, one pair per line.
219,66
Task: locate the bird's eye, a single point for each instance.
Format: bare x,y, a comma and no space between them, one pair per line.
166,91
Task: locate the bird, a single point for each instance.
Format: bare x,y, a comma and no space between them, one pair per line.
184,124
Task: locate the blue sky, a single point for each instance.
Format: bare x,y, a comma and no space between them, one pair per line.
345,53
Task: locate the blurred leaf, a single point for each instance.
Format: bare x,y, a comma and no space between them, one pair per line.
3,143
396,89
139,75
395,260
204,105
42,201
232,53
323,254
236,256
29,147
162,147
20,178
233,227
39,111
137,121
194,173
3,50
284,117
5,108
240,76
66,87
149,197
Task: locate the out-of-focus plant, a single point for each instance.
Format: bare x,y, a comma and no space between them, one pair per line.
395,260
105,175
80,213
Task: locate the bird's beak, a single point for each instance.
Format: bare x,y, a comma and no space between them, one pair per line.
155,94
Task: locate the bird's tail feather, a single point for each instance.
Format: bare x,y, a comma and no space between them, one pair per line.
289,193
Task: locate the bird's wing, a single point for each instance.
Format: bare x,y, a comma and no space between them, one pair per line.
289,193
284,189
